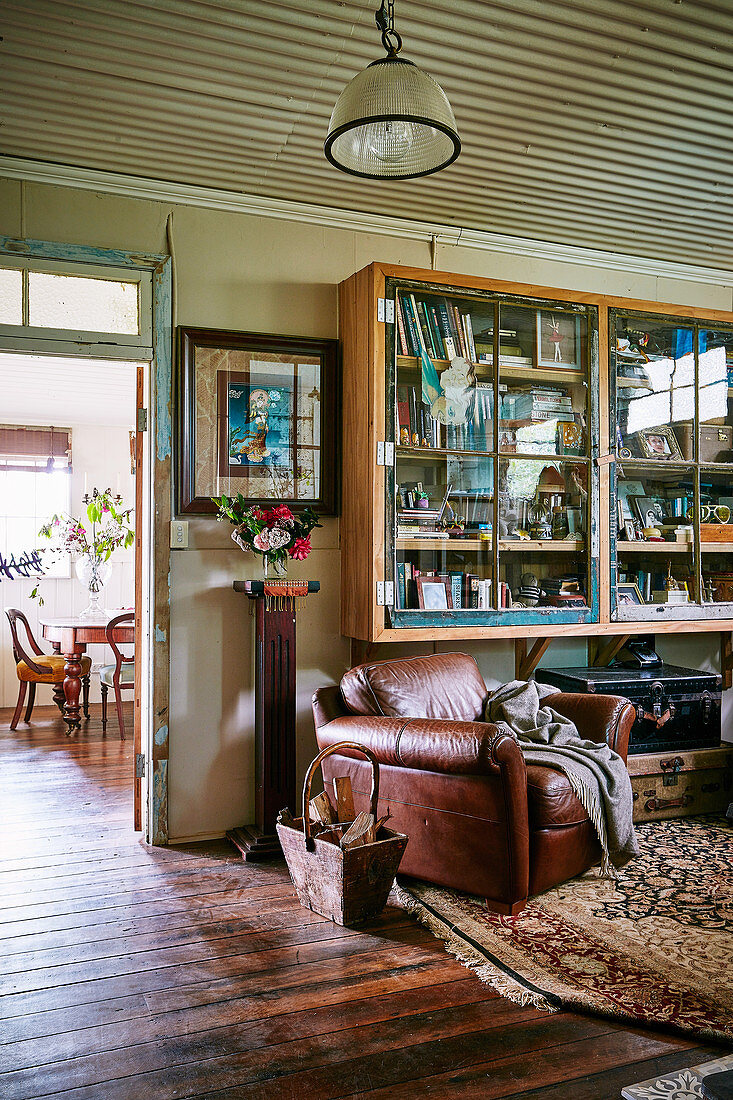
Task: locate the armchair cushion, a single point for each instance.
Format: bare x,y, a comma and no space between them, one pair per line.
55,665
443,685
551,801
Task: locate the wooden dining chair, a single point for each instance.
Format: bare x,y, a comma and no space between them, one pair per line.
49,670
120,675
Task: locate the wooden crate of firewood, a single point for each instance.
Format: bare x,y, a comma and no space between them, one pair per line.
342,865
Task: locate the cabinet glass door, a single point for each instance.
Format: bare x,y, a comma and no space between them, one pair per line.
674,495
492,495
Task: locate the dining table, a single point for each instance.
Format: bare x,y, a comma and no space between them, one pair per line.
70,636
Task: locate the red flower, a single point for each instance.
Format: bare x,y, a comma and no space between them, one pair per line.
278,515
300,549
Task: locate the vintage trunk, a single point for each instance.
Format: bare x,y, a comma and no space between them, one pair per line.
676,708
665,785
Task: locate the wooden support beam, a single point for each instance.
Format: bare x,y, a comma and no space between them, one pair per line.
726,658
608,652
530,660
520,656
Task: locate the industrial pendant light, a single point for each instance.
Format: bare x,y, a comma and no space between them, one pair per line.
392,121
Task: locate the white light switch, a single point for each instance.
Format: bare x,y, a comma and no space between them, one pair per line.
179,534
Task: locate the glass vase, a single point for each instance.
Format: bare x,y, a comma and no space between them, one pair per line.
94,572
274,569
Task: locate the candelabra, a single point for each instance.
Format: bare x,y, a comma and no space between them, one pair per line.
95,494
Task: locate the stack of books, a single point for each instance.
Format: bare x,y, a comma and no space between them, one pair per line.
564,591
538,403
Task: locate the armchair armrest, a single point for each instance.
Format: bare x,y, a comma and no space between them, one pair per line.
429,744
598,718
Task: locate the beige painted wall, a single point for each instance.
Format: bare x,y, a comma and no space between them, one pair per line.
251,273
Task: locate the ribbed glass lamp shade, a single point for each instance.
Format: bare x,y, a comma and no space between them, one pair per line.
392,121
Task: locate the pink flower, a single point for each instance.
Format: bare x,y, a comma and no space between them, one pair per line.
281,514
300,549
261,541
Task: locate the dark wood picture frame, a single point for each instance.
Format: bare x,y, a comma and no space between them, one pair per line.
277,349
433,582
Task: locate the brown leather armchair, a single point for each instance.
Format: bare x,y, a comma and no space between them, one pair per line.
478,819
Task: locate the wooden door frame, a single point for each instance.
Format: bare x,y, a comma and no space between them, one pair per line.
156,632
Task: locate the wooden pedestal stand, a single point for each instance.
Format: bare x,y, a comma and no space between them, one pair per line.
274,718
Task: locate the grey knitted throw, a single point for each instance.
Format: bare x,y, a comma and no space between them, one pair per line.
597,775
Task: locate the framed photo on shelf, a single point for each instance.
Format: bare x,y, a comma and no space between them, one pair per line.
257,415
558,339
658,443
629,593
433,594
649,510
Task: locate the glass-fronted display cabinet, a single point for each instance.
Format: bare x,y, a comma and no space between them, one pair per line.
672,415
491,513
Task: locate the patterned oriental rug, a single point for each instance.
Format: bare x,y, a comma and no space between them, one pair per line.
654,947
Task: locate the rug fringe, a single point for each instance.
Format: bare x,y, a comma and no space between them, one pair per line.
470,958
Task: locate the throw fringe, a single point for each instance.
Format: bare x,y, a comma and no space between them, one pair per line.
472,959
593,808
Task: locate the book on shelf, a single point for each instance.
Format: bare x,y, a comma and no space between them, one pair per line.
421,533
456,587
426,332
411,325
403,417
566,416
401,327
483,595
468,328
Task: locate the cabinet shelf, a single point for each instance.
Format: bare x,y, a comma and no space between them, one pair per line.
673,547
510,370
505,545
654,547
436,453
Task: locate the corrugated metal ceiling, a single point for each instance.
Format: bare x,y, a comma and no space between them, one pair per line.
604,124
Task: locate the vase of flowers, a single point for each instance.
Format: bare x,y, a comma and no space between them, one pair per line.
275,533
108,528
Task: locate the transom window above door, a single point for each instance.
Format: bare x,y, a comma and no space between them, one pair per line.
81,303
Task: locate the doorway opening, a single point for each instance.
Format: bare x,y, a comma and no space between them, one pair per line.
83,303
69,447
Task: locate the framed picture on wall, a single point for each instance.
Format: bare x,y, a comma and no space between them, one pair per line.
257,415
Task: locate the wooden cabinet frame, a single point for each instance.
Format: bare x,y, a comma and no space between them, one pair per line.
364,542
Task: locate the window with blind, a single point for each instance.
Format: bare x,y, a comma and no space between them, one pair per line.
35,483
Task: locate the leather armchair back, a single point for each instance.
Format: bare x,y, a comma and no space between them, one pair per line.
439,686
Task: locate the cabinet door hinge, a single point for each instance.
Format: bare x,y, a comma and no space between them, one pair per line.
385,453
142,420
385,310
139,765
385,593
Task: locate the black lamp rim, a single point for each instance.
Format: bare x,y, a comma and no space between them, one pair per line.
405,175
331,138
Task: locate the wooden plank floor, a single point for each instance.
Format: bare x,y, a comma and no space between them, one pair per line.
131,973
